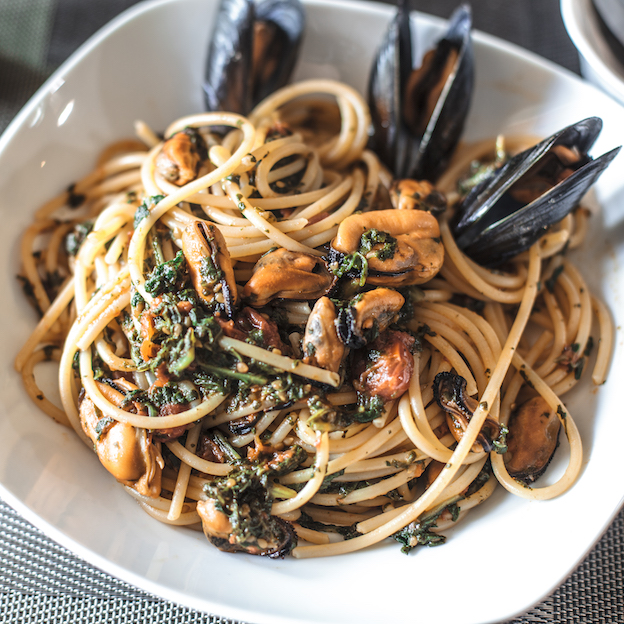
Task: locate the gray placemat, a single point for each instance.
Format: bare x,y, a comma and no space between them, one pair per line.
42,582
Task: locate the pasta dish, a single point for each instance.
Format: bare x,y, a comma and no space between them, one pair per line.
265,337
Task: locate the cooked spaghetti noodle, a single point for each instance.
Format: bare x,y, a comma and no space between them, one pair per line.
208,401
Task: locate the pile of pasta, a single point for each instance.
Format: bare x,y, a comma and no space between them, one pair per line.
508,346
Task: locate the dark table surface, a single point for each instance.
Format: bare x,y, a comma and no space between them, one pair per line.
41,581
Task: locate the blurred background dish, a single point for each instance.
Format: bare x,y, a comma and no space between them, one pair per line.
610,14
596,28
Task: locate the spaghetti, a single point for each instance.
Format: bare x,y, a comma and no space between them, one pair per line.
202,326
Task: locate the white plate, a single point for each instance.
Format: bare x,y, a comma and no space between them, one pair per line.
598,63
506,556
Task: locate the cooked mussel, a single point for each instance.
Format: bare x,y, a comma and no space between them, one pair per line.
127,452
397,247
264,330
252,52
236,509
411,194
210,266
533,437
321,344
367,315
285,274
276,540
181,156
386,366
418,114
508,211
449,391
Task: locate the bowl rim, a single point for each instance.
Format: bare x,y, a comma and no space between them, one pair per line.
582,27
86,553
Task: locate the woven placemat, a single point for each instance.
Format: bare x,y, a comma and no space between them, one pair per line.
42,582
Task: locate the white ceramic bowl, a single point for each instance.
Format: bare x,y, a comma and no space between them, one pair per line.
598,63
507,554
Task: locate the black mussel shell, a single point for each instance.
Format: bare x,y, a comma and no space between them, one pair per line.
253,51
389,75
493,223
452,69
418,115
228,66
286,20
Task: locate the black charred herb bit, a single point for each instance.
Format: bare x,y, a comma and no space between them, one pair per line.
245,497
552,280
52,283
74,200
481,480
466,301
413,295
589,346
328,485
419,335
573,360
291,183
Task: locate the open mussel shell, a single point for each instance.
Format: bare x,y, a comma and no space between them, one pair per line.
253,51
450,68
418,114
495,222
